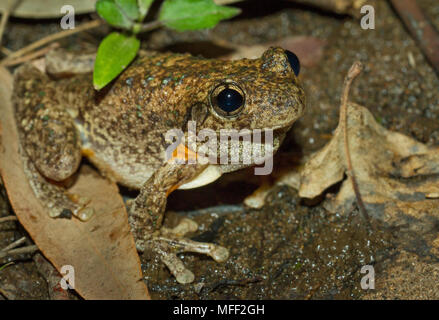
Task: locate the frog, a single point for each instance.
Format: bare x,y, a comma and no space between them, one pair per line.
121,130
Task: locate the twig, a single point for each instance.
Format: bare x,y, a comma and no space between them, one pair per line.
312,292
354,71
420,29
86,26
14,252
31,56
5,17
5,294
52,277
13,245
6,265
8,218
227,282
5,51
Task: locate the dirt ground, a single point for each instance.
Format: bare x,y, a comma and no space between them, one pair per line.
290,249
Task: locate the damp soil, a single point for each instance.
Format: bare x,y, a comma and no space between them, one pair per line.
289,249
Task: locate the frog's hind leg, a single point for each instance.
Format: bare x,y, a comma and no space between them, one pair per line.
48,132
146,214
171,242
58,201
50,146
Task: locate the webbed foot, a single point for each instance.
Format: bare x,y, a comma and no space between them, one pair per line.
167,243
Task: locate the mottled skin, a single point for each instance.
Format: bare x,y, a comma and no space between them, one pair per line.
121,129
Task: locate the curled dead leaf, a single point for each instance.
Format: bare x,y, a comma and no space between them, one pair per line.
309,49
378,158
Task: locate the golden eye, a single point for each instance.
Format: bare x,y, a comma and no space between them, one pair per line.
227,99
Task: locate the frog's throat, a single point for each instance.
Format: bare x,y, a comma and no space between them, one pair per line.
211,173
214,171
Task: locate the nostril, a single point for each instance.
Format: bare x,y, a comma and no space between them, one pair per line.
294,62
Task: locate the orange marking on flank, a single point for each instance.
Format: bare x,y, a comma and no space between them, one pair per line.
172,189
183,153
87,153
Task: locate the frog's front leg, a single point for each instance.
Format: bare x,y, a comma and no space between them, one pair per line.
146,215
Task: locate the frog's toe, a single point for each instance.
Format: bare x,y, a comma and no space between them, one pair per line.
218,253
85,214
81,210
65,205
177,268
185,226
167,246
56,213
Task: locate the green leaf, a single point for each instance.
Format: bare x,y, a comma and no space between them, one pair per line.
144,7
130,8
183,15
115,53
110,12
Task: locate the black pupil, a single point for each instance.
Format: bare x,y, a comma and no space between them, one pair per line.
294,62
229,100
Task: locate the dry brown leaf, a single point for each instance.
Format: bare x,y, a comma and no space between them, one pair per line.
102,250
377,155
37,9
351,7
420,164
308,49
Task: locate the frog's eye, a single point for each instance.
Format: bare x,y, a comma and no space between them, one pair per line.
227,99
294,62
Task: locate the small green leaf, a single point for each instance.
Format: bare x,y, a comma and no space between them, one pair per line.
183,15
115,53
144,7
110,12
130,8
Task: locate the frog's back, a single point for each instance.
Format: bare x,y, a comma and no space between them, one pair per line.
123,127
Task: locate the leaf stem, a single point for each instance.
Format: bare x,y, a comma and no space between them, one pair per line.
5,17
14,244
33,55
354,71
14,252
8,218
151,25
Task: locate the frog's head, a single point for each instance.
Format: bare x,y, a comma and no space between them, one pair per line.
263,93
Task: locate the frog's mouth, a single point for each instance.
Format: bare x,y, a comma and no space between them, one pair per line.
214,171
208,175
